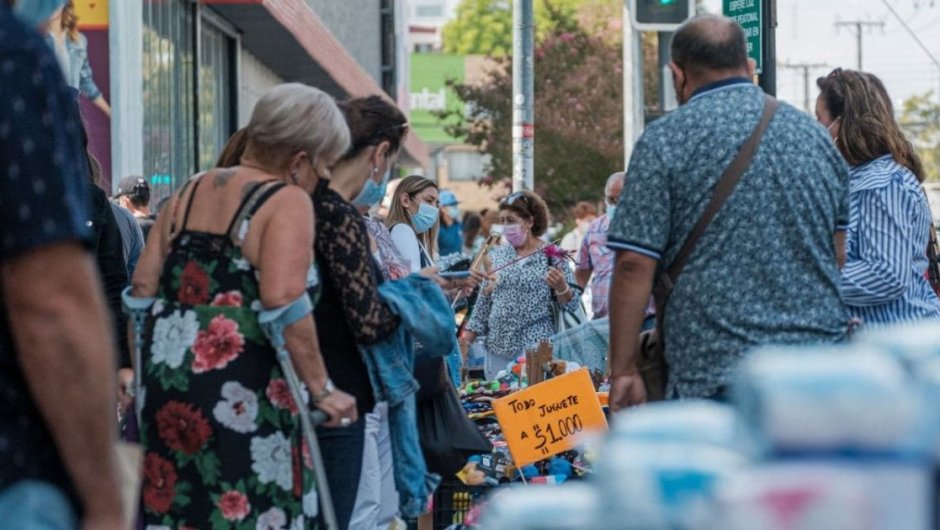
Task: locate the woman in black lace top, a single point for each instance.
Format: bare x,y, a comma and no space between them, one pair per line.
350,312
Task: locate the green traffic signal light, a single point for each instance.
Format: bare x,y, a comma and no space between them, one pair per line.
660,15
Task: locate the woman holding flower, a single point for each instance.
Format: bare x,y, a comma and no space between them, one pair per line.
514,311
220,429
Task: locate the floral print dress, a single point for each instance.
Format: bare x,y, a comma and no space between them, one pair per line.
220,429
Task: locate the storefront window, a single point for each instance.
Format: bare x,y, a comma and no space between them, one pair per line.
187,120
216,109
168,94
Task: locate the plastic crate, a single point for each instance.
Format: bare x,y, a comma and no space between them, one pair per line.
453,499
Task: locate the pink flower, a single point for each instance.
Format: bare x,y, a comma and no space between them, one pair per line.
279,394
555,252
218,345
234,505
229,299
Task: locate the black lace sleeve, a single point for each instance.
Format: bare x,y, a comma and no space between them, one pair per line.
342,245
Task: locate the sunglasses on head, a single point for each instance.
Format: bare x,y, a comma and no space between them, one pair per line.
517,196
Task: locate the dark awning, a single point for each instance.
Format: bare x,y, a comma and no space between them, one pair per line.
291,40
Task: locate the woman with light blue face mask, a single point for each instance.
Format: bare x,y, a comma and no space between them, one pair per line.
414,220
378,129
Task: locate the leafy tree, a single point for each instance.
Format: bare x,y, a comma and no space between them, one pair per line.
484,27
920,119
578,105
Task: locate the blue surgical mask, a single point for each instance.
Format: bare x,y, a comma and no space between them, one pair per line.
611,210
453,212
425,218
35,13
372,192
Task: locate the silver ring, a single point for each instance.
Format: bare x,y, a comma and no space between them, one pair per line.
345,422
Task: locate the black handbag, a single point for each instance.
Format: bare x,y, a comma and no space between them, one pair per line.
447,436
431,375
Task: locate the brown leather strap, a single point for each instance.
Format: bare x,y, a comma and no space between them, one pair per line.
723,189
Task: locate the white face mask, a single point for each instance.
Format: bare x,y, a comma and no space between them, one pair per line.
835,139
496,229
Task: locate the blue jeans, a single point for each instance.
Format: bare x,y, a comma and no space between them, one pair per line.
342,449
36,505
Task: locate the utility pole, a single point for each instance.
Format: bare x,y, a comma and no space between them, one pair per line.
633,112
523,96
860,25
768,75
806,68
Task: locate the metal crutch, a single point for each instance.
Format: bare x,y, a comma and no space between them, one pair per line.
136,308
273,323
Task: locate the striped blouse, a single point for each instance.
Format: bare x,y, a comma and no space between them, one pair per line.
886,245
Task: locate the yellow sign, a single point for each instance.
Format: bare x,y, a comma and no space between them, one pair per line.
549,418
92,14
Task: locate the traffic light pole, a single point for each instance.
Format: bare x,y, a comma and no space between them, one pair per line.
523,96
768,77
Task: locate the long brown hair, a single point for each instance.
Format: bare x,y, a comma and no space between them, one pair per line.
231,154
868,129
397,214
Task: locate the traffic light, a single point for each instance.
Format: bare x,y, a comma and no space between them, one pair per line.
660,15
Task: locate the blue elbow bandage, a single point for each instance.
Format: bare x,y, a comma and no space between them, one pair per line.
274,321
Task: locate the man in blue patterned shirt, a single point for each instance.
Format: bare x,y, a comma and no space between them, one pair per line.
765,270
57,396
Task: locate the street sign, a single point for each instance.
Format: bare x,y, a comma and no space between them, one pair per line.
549,418
749,14
660,15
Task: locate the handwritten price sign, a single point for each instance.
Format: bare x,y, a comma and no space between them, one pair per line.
548,418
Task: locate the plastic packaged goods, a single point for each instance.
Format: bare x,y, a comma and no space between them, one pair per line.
565,507
689,421
852,400
795,496
912,343
653,485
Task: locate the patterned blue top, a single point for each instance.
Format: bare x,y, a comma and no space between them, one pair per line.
886,246
43,201
765,270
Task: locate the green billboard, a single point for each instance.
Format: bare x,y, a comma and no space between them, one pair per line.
748,13
429,93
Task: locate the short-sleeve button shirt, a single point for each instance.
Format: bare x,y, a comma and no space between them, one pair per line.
43,201
765,270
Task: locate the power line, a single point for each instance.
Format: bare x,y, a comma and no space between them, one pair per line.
805,67
859,25
913,35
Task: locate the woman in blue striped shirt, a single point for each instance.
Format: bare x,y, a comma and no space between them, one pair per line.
883,280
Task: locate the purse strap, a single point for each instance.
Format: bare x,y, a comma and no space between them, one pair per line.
723,189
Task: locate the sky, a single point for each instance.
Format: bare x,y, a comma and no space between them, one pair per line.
807,34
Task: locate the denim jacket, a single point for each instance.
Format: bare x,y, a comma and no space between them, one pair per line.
426,316
79,74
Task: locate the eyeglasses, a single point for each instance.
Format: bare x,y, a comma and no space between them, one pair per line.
381,134
509,201
835,73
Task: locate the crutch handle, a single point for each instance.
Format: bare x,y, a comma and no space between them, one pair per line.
318,417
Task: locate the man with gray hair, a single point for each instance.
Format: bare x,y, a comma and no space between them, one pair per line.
595,259
765,270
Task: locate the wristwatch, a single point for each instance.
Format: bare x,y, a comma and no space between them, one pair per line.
328,389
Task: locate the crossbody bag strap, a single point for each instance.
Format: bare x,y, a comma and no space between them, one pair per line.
726,185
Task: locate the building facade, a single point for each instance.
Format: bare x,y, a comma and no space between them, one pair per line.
186,74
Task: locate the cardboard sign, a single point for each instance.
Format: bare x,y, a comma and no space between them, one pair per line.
549,418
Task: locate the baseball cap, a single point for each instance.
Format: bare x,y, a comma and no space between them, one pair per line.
448,198
131,184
